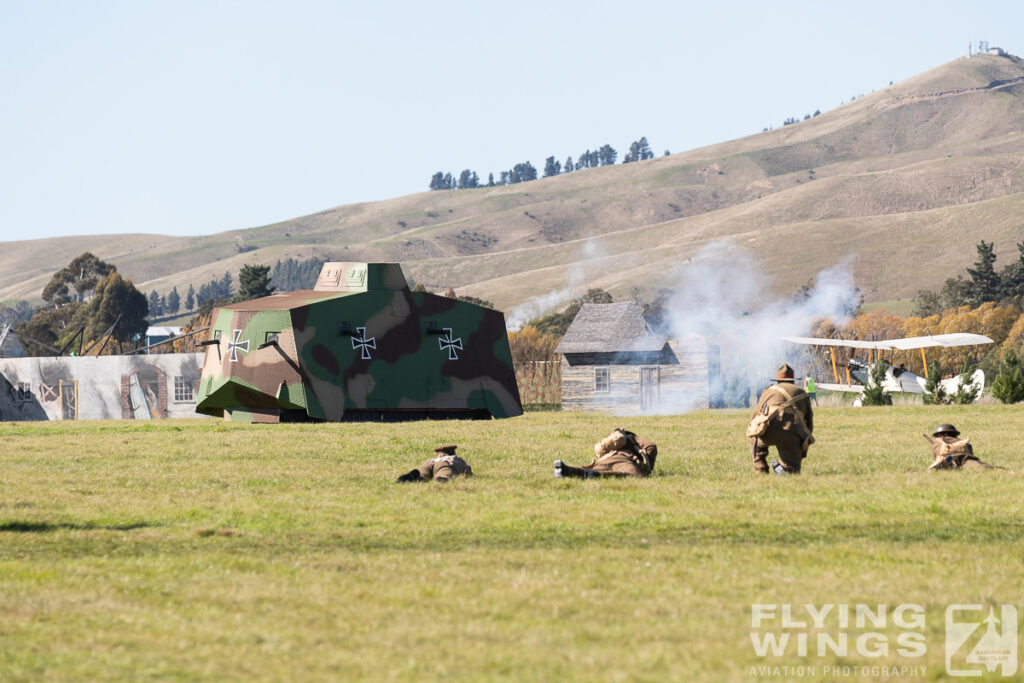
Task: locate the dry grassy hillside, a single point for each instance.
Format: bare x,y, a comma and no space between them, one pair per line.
905,180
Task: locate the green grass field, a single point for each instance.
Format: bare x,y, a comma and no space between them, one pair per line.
202,550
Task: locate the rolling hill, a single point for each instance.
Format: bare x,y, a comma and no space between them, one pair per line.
904,181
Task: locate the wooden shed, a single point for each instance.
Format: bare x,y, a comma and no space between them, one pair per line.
613,361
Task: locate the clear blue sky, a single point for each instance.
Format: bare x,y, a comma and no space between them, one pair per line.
192,117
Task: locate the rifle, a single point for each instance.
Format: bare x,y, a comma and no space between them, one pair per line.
929,439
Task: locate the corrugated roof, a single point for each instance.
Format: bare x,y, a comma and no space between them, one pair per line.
162,331
610,328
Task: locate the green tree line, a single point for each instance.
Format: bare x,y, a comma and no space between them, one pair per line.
605,155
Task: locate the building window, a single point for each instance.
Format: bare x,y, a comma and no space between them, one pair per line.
183,392
602,382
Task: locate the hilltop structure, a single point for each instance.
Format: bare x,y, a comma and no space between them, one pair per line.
359,346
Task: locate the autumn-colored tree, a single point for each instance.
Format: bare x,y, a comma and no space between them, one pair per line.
528,345
877,325
1015,337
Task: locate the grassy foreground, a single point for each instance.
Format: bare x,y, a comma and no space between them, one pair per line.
203,550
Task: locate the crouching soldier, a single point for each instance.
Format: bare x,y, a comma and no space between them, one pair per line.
442,467
783,418
950,452
620,454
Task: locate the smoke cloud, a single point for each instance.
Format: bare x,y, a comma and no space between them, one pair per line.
576,277
722,296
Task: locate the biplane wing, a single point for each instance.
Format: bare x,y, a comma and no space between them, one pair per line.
904,344
897,379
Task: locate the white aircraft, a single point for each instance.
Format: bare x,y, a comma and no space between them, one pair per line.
897,378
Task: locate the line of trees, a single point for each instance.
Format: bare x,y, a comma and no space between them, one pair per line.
288,275
167,304
292,274
792,119
215,290
605,155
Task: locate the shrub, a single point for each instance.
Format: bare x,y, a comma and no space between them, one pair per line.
1008,385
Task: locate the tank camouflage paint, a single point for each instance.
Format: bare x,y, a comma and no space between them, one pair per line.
359,346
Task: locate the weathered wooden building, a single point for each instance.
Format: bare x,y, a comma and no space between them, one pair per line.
612,361
99,387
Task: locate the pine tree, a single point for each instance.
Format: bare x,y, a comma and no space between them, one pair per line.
1008,385
224,290
437,181
522,172
551,167
934,394
966,390
190,298
567,167
607,155
154,304
984,278
490,180
173,301
1011,279
253,283
874,393
645,150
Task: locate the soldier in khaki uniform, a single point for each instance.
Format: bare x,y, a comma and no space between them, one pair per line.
442,467
782,418
949,452
620,454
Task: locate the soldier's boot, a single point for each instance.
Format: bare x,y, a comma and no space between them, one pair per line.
412,475
781,468
563,470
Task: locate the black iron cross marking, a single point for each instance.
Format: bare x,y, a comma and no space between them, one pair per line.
363,344
447,343
234,346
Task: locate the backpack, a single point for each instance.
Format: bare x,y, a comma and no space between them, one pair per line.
758,426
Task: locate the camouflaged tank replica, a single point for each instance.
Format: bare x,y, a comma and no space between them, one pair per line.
360,346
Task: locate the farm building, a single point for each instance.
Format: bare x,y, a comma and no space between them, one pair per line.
613,361
99,387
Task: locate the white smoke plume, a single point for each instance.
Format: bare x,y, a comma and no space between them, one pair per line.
723,297
576,276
